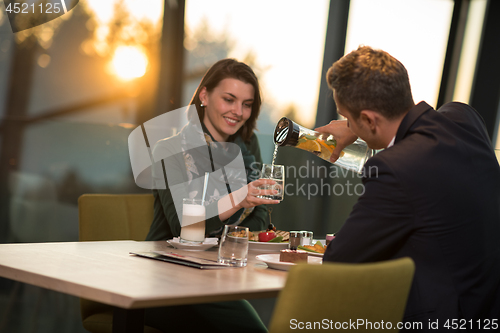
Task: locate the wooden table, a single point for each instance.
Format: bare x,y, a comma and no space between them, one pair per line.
106,273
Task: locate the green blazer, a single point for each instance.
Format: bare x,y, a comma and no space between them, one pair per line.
166,224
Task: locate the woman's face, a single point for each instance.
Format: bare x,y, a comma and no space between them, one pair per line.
227,107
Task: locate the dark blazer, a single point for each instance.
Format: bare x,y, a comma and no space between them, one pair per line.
434,196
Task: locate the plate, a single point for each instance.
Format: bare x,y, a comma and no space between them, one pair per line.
273,261
316,254
266,246
311,253
207,244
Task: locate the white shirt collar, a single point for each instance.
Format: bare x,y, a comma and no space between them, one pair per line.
392,142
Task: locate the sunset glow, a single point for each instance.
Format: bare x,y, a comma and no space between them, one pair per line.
129,62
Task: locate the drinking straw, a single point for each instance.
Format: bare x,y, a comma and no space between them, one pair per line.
205,185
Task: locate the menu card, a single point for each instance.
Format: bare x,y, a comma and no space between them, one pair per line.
181,259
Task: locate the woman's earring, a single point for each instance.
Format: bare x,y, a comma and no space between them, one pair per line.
202,105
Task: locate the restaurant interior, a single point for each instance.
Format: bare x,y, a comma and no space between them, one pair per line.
73,89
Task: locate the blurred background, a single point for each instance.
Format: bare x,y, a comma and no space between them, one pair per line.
73,89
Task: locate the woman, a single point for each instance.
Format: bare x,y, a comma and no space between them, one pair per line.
227,103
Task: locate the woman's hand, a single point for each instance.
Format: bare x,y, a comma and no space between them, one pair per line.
251,198
342,134
246,197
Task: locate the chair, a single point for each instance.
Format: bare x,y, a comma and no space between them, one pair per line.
114,216
111,217
343,293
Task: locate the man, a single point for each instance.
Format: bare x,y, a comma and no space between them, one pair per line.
434,197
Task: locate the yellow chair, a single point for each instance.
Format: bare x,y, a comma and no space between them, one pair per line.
334,295
115,216
111,217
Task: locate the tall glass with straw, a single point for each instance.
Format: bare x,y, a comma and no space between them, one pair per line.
193,218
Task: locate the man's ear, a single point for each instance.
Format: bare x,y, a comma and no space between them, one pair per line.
369,119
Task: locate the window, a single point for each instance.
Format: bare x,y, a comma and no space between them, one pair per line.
413,31
281,40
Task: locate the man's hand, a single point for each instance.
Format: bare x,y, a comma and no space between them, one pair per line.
342,134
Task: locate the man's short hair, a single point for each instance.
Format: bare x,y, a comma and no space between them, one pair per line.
371,79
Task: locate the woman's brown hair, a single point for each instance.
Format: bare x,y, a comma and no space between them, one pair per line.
231,68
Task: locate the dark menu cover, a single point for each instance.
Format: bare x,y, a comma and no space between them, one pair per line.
186,260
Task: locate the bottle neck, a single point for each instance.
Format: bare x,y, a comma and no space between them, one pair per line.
286,133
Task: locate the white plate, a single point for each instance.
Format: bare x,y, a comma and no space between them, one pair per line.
273,261
316,254
207,244
266,246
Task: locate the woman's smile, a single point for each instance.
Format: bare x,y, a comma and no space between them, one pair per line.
227,107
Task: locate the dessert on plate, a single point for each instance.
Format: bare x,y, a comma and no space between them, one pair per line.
293,255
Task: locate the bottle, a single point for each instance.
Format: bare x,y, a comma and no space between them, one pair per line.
329,238
353,157
295,240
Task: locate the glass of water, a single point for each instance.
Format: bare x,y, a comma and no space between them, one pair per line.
276,173
233,247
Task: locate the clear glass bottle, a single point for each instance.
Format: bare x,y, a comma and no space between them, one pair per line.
291,134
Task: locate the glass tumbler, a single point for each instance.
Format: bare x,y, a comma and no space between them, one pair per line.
193,221
276,173
233,247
